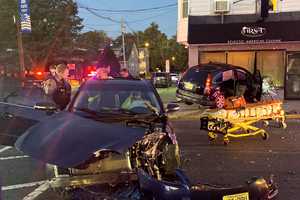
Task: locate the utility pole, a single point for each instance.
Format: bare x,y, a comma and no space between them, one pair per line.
20,48
123,42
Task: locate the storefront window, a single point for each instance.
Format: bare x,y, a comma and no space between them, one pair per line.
271,65
292,86
185,8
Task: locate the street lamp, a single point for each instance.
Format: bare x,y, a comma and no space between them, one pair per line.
173,58
147,44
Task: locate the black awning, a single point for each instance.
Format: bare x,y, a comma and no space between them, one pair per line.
241,29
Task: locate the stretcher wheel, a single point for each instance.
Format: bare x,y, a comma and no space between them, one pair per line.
225,141
266,123
212,136
283,125
265,136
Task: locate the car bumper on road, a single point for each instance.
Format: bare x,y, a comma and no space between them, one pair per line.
193,98
92,179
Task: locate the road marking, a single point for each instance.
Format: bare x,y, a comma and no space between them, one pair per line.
4,149
13,157
38,191
24,185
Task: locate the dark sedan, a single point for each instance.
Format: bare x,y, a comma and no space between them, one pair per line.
210,84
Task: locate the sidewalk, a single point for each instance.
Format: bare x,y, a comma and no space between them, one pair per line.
290,106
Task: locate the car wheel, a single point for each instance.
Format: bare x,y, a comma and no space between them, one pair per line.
220,101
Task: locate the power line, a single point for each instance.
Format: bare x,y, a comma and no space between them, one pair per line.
102,17
132,10
95,29
97,25
147,18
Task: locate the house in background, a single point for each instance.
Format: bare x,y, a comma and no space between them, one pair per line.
137,60
233,32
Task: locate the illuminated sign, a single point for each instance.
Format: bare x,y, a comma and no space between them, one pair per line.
249,31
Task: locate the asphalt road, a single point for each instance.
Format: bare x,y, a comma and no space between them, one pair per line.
204,162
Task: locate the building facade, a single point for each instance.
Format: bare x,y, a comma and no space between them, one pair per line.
233,32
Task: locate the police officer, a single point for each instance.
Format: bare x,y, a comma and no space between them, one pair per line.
125,74
58,88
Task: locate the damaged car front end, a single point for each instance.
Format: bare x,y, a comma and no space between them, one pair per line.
115,142
100,141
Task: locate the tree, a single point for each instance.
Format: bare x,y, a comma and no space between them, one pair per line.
160,47
158,43
55,26
92,42
8,43
130,39
108,58
177,54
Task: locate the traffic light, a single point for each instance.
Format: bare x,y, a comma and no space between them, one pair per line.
267,5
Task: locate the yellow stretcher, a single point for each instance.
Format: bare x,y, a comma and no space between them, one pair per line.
240,122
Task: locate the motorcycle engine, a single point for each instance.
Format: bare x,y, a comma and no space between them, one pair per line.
154,153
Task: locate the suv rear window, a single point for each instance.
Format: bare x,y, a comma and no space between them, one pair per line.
195,75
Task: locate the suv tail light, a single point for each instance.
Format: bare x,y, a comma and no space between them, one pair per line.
208,82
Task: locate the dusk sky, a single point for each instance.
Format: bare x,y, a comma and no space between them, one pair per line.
165,17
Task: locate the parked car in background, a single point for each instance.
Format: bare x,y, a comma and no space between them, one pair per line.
33,79
210,84
161,79
174,78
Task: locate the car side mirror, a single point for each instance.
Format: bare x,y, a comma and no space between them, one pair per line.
172,107
46,106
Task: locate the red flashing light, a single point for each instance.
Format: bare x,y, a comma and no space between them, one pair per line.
92,73
208,84
39,73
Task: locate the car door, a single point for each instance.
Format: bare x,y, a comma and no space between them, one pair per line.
248,85
228,83
242,82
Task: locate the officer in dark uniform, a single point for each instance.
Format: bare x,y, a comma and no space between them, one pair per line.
125,74
58,88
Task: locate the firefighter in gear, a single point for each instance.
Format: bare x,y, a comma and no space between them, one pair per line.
58,88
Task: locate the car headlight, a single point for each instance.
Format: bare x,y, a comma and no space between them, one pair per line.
171,188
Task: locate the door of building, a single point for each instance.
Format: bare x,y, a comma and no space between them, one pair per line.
292,77
271,64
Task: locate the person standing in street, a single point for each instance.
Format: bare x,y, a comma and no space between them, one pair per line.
52,71
125,74
58,88
103,73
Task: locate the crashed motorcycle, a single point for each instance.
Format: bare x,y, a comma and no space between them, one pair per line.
120,153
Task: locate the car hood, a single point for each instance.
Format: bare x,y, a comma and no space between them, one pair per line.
67,139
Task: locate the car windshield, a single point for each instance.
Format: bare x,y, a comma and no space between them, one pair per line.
107,98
